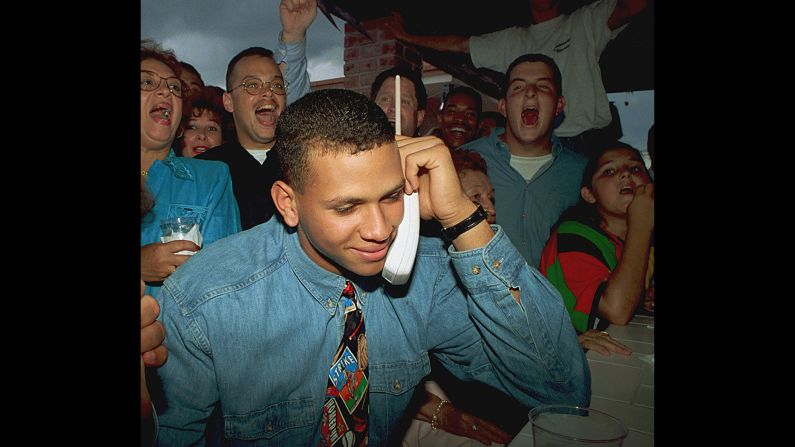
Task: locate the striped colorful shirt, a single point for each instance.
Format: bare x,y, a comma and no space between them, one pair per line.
578,260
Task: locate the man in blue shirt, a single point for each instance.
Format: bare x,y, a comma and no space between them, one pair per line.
535,177
256,321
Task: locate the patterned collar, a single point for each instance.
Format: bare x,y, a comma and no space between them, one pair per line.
178,166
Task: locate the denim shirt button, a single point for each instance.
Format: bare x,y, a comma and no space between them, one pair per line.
396,386
496,264
476,270
329,303
269,428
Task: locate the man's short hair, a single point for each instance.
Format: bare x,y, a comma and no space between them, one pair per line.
251,51
323,122
404,73
468,91
557,78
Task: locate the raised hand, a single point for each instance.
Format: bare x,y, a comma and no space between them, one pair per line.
640,213
296,16
429,169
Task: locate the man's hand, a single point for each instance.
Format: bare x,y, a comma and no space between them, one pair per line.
296,16
153,353
159,260
429,170
602,342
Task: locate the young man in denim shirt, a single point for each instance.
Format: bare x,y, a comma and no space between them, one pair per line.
254,321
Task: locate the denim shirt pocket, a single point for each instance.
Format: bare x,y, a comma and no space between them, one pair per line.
292,419
182,210
398,377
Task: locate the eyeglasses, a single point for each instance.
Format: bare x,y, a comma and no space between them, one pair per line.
256,87
150,81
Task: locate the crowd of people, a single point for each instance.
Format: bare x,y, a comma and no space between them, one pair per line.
537,234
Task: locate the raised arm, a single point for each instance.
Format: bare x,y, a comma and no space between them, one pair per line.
457,44
625,286
624,11
514,333
296,17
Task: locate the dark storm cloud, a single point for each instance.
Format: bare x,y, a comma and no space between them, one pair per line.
208,33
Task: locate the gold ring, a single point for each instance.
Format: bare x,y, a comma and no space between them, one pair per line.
604,333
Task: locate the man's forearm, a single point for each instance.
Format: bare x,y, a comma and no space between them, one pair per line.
456,44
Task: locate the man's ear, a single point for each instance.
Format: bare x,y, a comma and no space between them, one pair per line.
501,109
284,197
587,195
228,102
420,118
561,105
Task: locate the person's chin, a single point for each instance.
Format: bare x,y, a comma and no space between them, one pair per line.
365,269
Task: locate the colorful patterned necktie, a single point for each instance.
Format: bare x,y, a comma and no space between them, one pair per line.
347,406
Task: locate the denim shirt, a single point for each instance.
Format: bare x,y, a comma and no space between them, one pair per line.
528,210
188,187
291,58
252,322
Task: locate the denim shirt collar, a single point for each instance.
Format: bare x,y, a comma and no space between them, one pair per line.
177,166
506,154
325,287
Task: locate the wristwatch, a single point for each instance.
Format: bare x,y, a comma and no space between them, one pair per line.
450,233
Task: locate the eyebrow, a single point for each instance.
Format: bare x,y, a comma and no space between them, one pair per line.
544,78
278,76
607,162
343,200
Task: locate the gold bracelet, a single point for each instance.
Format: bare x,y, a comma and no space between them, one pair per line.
435,418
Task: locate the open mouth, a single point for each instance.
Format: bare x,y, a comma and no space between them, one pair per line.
200,149
161,113
628,189
530,116
266,114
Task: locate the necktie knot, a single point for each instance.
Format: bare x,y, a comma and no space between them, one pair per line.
348,291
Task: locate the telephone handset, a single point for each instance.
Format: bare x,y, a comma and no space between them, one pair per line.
401,254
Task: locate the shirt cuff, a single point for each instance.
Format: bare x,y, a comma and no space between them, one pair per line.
286,52
498,263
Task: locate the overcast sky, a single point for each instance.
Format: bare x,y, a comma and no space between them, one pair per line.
208,33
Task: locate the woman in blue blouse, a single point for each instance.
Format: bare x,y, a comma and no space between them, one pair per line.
180,186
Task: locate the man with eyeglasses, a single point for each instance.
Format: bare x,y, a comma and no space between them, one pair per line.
257,91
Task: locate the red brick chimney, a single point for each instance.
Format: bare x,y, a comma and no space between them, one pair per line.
364,58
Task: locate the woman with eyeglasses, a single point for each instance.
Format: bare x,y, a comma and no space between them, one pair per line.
181,187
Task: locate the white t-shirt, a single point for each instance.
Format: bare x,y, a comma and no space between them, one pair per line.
528,166
575,42
259,154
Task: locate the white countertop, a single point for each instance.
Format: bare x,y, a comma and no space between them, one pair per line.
622,386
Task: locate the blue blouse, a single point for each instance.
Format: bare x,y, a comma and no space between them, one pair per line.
189,187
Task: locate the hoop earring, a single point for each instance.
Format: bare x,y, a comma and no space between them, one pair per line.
181,133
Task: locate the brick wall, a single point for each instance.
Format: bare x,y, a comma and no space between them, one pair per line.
364,58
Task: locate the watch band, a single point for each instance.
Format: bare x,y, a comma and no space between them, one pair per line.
450,233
